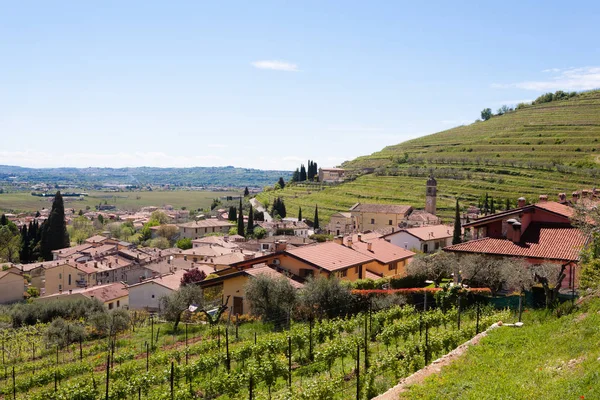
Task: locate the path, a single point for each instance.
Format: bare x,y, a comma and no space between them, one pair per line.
259,207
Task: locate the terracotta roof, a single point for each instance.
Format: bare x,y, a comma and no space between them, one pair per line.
105,293
214,240
205,223
428,232
266,270
8,271
207,251
329,255
381,250
371,275
381,208
543,241
96,251
422,216
556,208
170,281
551,206
96,239
68,251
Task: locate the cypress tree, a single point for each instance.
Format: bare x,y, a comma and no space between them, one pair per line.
282,211
296,175
24,253
281,182
250,229
232,214
486,204
54,229
246,192
492,206
507,204
309,173
456,234
3,220
299,214
316,222
240,221
302,173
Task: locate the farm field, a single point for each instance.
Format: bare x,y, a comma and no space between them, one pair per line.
24,201
548,358
227,363
541,149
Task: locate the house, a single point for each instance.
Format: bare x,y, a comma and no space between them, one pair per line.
331,175
538,233
68,252
327,259
113,295
146,295
428,239
233,284
340,223
66,276
196,229
288,228
391,259
13,286
373,216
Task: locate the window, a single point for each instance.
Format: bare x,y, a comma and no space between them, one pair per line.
59,287
437,245
425,248
110,306
372,221
392,266
390,222
343,273
69,279
152,296
59,276
356,269
118,303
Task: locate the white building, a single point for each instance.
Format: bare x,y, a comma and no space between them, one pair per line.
427,239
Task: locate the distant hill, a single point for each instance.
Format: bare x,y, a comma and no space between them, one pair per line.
538,149
196,176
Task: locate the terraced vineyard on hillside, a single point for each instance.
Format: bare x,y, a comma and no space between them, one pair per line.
540,149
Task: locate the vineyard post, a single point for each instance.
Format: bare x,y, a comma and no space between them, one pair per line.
425,301
420,324
107,373
250,387
139,392
458,313
426,343
152,334
112,353
186,335
237,323
290,361
33,350
55,381
172,373
254,337
227,359
147,355
133,322
80,349
520,305
370,314
14,384
366,345
477,327
157,334
357,371
219,336
310,340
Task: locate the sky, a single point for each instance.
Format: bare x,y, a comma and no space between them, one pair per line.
269,85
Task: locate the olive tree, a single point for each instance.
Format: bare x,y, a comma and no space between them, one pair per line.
271,298
327,297
434,267
173,305
550,276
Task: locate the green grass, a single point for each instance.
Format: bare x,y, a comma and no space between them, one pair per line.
527,363
24,201
542,149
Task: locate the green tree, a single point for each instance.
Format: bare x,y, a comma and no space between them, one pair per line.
326,297
25,252
250,230
270,298
492,206
434,267
507,206
296,175
54,229
486,114
240,222
62,333
173,305
299,213
160,217
260,232
184,243
110,323
3,220
302,173
316,221
246,192
10,244
232,214
457,227
281,182
486,204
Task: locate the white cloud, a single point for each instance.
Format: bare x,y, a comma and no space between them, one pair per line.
276,65
585,78
554,70
217,146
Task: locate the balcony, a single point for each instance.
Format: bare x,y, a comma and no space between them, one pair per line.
81,283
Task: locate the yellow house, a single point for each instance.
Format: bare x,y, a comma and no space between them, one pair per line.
67,276
12,285
327,259
113,295
233,283
340,223
197,229
391,259
376,216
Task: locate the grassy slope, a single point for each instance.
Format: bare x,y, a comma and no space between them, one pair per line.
507,156
527,363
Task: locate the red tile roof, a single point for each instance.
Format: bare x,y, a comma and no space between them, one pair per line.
266,270
428,232
556,208
381,250
381,208
542,241
330,256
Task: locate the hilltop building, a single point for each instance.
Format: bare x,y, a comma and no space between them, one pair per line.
331,175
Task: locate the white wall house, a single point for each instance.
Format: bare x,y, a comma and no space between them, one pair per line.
427,239
146,295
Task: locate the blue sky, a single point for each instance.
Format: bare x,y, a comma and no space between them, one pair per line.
270,84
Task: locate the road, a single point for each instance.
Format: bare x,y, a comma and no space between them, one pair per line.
256,204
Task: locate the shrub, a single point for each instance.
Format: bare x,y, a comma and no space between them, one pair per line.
32,313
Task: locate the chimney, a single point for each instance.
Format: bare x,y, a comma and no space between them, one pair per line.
339,239
575,197
370,246
349,245
248,257
509,231
516,238
543,198
70,291
359,237
562,198
185,258
280,245
521,202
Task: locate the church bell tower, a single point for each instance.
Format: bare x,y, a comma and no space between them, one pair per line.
431,195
